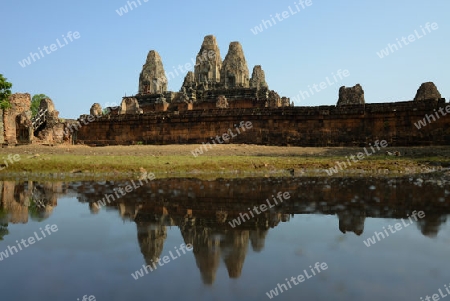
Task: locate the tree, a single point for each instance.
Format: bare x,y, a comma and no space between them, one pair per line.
5,93
36,102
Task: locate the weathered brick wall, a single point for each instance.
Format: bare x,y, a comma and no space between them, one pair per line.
355,125
20,102
2,128
205,105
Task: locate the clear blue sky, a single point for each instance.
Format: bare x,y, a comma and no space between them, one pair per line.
104,63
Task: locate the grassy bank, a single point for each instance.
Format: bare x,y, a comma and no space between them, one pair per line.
78,166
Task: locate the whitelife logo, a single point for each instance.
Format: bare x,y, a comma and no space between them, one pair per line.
199,150
124,9
322,85
86,298
12,159
319,267
371,240
263,207
281,17
48,50
166,259
11,250
423,123
436,297
360,156
108,198
391,48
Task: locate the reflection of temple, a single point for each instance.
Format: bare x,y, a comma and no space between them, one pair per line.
203,209
258,239
207,250
430,224
151,237
152,233
234,249
352,220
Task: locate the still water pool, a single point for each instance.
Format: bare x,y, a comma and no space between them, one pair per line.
191,239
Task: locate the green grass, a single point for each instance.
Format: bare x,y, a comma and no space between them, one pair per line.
81,166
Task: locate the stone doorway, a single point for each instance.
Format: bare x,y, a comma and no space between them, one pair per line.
24,133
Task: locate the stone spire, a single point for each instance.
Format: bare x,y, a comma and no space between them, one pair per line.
234,72
189,80
152,79
427,91
208,62
258,79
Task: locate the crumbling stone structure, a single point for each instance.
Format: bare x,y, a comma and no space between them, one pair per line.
17,120
351,122
427,91
208,63
52,130
96,110
351,96
129,105
19,127
222,102
234,72
152,79
258,79
211,79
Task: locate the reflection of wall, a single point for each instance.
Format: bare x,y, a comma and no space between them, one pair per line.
19,201
15,201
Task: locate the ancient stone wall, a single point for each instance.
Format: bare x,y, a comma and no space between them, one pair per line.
356,125
129,105
2,128
17,119
52,131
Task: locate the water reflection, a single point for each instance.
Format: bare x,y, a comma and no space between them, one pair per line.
203,209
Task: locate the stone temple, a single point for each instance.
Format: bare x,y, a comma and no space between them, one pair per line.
218,95
214,83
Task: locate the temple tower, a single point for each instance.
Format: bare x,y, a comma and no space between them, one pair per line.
208,62
152,79
234,72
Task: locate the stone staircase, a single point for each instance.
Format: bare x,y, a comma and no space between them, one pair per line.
39,119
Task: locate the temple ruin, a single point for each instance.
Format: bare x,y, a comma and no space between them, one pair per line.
19,127
196,114
211,82
219,94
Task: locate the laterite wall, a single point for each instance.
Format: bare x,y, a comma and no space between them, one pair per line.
355,125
